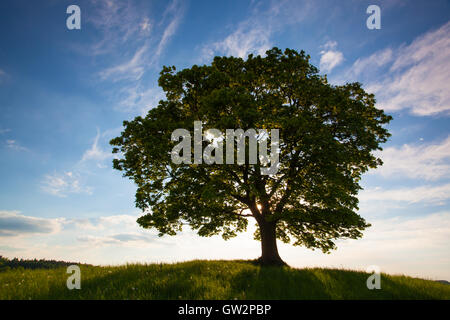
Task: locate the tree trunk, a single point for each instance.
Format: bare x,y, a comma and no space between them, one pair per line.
269,248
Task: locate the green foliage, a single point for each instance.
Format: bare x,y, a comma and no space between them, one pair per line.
212,280
328,134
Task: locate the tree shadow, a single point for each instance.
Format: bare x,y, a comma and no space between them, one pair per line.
269,282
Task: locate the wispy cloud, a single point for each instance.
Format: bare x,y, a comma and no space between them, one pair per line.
132,239
139,98
61,185
396,233
132,69
413,76
423,161
14,145
253,35
102,223
371,63
73,180
421,76
142,53
118,23
146,48
428,194
95,152
175,12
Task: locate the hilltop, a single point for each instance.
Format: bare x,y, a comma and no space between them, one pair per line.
201,279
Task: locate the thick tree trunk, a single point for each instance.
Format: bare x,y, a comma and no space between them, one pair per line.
269,248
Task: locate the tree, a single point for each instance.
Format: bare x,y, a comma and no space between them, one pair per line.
327,137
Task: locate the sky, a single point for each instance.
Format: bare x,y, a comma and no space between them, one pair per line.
65,93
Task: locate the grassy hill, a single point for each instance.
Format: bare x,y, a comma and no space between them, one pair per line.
211,280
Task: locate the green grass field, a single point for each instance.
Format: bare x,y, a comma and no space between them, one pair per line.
212,280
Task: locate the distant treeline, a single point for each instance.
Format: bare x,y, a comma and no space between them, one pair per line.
6,264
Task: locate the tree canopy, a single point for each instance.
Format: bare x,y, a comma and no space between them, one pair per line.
327,137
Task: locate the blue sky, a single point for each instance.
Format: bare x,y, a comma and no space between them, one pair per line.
64,94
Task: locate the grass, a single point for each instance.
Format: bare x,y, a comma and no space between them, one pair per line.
212,280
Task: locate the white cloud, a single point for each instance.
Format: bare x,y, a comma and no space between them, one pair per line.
417,78
250,37
416,233
422,161
428,194
415,246
330,57
12,224
63,184
65,238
